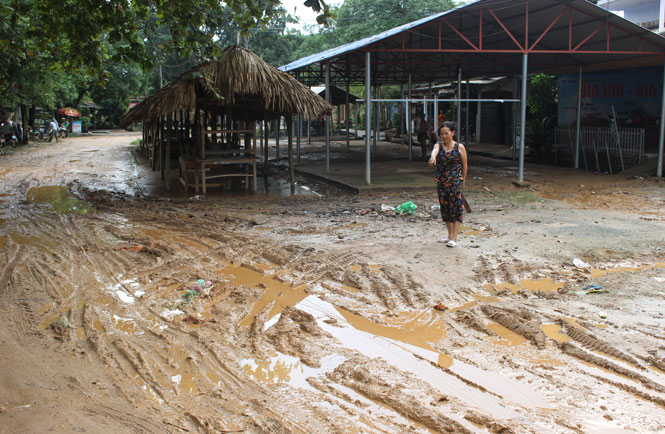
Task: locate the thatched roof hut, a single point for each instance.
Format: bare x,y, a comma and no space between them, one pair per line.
239,81
204,112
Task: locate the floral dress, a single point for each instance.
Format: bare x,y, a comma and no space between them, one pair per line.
449,182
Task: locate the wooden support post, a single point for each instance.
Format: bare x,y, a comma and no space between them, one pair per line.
265,150
167,153
289,132
277,122
162,127
153,148
254,155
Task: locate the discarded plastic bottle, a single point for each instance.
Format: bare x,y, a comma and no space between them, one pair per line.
406,208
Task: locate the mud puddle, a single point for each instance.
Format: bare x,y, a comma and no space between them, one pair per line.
405,342
60,199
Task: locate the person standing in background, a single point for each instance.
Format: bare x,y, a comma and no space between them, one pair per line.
450,160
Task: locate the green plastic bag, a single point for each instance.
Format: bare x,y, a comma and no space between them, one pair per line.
406,208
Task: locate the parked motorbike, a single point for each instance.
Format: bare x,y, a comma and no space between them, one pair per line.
11,140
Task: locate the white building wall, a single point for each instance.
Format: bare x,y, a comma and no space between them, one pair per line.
638,11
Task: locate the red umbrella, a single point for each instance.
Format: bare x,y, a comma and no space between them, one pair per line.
68,111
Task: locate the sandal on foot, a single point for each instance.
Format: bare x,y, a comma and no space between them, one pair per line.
451,243
444,240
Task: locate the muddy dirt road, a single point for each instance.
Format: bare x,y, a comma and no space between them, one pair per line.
314,314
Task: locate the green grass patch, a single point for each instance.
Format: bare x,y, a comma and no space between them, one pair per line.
135,142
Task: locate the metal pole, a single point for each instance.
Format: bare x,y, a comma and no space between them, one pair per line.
402,112
368,111
523,117
436,113
425,117
327,119
459,104
661,139
347,113
479,117
515,134
408,118
377,116
429,95
579,117
466,122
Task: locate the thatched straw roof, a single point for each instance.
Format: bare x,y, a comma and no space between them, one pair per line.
239,81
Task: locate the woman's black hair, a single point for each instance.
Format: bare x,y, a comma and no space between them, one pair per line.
448,124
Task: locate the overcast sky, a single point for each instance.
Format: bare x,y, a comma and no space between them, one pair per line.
306,16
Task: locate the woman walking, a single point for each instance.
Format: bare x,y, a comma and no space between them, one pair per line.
451,167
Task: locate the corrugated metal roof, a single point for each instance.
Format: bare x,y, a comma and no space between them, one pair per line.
352,46
500,51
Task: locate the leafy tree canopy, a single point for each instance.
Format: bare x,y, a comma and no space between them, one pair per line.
358,19
43,39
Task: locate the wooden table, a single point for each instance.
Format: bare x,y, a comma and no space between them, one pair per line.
203,169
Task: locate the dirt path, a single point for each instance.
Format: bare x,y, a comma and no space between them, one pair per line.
317,312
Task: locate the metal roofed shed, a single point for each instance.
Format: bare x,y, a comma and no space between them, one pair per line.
337,96
489,38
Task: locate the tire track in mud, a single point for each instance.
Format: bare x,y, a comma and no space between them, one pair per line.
360,374
574,351
146,360
592,342
525,325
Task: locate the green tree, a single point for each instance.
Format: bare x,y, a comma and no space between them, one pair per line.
542,105
82,36
358,19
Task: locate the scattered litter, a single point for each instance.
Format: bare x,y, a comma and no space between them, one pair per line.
580,263
603,315
189,295
197,197
385,207
435,207
365,211
487,189
442,307
124,297
594,289
169,314
406,208
478,178
659,279
63,321
201,287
